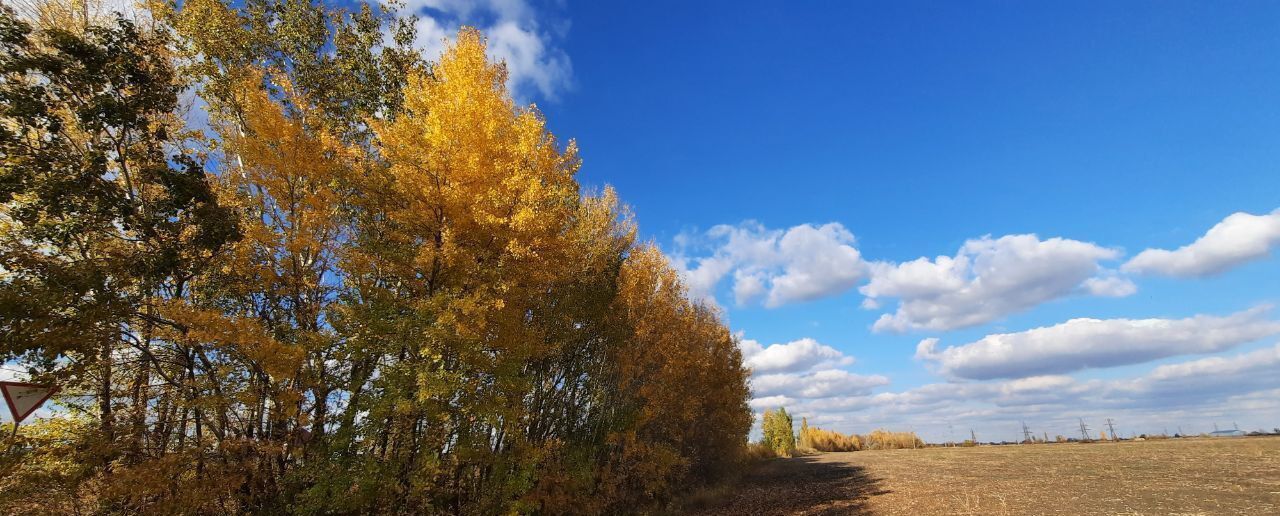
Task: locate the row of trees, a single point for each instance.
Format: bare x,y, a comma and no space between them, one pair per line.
779,438
371,284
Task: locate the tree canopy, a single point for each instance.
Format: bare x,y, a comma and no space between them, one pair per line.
778,429
372,284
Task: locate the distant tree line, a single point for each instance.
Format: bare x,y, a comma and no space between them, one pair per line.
779,438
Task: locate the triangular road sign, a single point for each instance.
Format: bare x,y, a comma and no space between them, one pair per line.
25,398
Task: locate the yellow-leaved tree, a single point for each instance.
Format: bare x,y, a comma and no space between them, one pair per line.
383,291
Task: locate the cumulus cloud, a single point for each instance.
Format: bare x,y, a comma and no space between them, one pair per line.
1095,343
770,402
701,279
819,384
1239,238
517,36
1207,378
802,372
747,286
1036,390
989,279
797,355
1109,286
802,263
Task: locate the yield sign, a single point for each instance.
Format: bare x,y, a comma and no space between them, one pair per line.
25,398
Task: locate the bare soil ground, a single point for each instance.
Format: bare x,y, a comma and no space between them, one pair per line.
1174,476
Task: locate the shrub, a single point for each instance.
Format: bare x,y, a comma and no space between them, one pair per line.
760,451
886,440
827,440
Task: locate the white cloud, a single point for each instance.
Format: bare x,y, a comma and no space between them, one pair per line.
10,373
818,261
770,402
702,279
1109,286
926,348
516,37
1208,378
797,355
802,263
802,372
989,279
1219,366
747,286
1036,390
1239,238
819,384
1095,343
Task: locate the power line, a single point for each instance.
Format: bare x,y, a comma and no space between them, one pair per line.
1026,433
1084,430
1114,437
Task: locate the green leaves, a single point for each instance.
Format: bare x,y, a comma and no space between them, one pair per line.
778,433
103,211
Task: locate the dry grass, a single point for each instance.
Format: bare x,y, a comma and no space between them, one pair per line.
759,451
1169,476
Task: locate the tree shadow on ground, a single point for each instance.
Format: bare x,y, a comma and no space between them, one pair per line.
801,485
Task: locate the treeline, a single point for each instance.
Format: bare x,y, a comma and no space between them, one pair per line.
370,285
779,440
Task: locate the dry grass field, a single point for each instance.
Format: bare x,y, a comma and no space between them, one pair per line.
1175,476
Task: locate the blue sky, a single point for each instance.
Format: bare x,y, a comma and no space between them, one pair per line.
806,164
